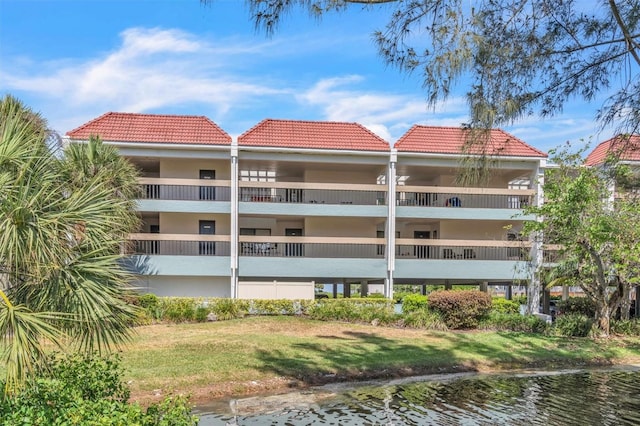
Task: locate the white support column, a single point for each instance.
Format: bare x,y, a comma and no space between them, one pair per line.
234,219
535,286
391,223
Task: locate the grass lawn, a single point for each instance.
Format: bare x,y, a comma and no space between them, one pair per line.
273,353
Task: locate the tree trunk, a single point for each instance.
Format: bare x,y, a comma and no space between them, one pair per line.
603,316
625,302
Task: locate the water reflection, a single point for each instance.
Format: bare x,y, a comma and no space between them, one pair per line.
589,397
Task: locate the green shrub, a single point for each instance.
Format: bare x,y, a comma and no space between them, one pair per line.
86,390
398,296
572,325
577,305
201,313
355,310
413,302
274,307
504,306
460,309
626,327
423,318
149,309
513,322
226,309
520,300
177,309
148,301
376,296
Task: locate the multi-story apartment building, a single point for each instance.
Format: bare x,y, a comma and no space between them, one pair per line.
291,203
625,150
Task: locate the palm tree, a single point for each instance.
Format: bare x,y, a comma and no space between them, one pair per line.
60,274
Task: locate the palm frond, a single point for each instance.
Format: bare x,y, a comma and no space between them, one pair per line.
22,334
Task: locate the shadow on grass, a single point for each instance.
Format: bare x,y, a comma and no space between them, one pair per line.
352,355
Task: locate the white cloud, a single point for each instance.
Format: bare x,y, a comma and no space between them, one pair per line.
387,115
173,71
151,69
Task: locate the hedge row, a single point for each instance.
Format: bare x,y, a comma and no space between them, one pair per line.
439,311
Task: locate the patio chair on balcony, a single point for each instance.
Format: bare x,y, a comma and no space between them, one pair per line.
453,202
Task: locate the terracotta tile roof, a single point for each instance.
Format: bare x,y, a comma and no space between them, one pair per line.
627,147
312,135
449,140
153,128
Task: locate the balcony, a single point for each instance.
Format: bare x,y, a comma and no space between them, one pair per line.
476,198
327,257
477,260
462,203
179,255
178,245
313,199
314,247
314,193
184,189
326,247
468,250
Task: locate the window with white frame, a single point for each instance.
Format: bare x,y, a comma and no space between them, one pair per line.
257,193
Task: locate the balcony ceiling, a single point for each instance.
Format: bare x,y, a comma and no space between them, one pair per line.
286,170
420,175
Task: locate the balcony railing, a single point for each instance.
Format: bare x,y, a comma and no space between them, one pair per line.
462,249
178,245
490,198
312,193
184,189
326,247
333,193
315,247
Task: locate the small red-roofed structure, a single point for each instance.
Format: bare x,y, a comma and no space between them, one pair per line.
152,128
625,148
451,140
312,135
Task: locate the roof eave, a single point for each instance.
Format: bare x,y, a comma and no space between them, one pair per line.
384,153
154,145
451,155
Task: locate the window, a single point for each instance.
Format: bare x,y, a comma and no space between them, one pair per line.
257,176
400,180
520,183
258,194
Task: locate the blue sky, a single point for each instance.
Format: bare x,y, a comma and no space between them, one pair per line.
73,60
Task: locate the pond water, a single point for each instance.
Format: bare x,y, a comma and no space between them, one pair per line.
578,397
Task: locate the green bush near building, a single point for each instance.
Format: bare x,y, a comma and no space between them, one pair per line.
504,306
572,325
353,310
460,309
441,310
413,302
577,305
86,390
501,321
